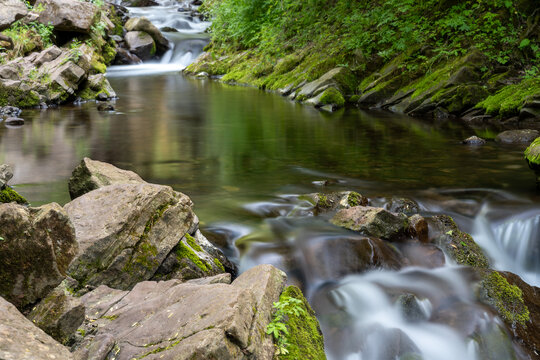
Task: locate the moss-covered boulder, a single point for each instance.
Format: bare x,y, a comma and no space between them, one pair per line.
36,247
8,195
532,156
304,339
327,202
92,174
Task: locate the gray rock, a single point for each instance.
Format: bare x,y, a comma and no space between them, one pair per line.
402,205
36,248
474,140
10,11
141,44
144,25
6,173
14,121
327,202
92,174
175,320
105,107
59,314
68,15
529,112
22,340
124,57
334,78
202,74
217,279
372,221
125,231
418,228
10,111
525,136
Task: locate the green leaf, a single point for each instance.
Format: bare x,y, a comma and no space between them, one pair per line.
449,232
524,43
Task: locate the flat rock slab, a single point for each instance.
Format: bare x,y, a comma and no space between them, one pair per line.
92,174
525,136
22,340
372,221
36,248
174,320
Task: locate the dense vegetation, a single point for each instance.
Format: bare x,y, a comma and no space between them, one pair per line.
306,38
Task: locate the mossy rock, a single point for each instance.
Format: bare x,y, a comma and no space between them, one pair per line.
8,195
510,99
505,298
305,336
332,96
532,154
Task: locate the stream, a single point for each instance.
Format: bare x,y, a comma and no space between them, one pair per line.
245,156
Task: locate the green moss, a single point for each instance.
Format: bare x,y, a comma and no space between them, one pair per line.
8,195
219,264
323,201
191,242
305,337
510,99
354,199
18,97
332,96
110,317
98,66
109,52
185,252
532,153
506,298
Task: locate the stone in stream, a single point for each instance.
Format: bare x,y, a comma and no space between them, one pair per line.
402,205
14,121
36,247
517,136
327,202
372,221
92,174
170,319
141,44
418,228
144,25
474,140
22,340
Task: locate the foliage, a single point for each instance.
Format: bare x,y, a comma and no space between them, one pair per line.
277,327
27,37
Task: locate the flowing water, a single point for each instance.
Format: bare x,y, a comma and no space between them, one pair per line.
244,156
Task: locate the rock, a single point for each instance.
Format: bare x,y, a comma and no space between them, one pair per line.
14,121
328,202
168,29
517,136
144,25
183,320
411,309
217,279
59,314
36,248
137,3
6,173
337,257
339,78
11,11
402,205
418,228
104,97
97,87
124,57
105,107
140,44
372,221
92,174
529,112
22,340
474,140
458,245
10,111
68,15
202,74
126,243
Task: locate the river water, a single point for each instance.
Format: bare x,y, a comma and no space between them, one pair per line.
244,156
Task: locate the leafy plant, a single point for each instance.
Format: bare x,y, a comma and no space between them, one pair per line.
278,327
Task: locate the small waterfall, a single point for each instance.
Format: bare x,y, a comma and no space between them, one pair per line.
187,42
512,242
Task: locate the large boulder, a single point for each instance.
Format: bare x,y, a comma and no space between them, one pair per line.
36,247
372,221
22,340
524,136
11,11
170,319
126,231
92,174
68,15
144,25
141,44
59,314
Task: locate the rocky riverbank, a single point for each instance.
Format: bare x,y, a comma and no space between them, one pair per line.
123,271
425,60
57,51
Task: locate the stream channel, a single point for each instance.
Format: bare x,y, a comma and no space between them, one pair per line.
244,156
